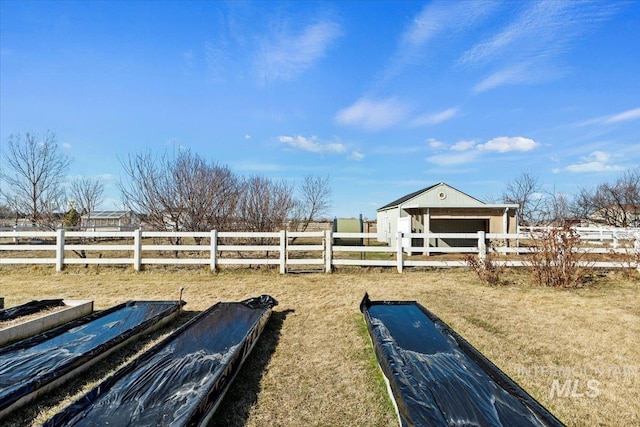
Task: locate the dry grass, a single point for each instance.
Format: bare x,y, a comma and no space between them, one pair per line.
313,364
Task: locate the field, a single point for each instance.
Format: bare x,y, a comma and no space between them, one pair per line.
314,364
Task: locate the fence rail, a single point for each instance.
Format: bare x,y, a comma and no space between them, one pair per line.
290,251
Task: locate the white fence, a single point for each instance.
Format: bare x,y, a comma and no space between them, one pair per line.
290,251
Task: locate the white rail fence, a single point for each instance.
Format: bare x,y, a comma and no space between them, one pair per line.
290,251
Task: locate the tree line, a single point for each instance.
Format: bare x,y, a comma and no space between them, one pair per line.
189,193
615,203
183,192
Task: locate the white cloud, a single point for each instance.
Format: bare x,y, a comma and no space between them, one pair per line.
247,136
506,144
312,144
283,56
373,115
463,145
356,155
469,150
435,118
434,143
598,161
66,145
453,159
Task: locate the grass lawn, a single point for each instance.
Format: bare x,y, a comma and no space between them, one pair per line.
314,364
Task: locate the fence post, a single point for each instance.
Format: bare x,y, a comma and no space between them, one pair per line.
328,251
482,247
15,237
59,249
283,251
213,258
399,257
137,249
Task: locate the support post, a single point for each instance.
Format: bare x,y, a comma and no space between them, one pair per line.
427,230
482,247
213,256
59,249
137,249
505,225
283,251
399,257
328,251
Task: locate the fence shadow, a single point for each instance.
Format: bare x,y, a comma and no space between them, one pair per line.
243,392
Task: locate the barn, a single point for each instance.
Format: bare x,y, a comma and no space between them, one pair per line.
441,208
110,221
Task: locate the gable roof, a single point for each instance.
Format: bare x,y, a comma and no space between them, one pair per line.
410,196
403,199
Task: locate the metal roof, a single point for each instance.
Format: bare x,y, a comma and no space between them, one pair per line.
106,214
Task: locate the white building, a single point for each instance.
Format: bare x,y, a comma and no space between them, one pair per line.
441,208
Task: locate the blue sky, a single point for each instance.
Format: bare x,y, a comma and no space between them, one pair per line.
385,98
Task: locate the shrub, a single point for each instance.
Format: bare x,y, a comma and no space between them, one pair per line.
487,270
555,261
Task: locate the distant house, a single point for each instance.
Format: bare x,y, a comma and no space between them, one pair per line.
110,221
441,208
621,215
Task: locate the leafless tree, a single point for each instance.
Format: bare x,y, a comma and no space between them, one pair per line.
184,192
525,190
557,208
87,193
313,202
35,177
264,204
616,204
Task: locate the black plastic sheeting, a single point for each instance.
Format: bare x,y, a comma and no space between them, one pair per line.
30,364
29,308
181,380
437,378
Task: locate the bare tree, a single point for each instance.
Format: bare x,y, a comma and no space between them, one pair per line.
184,192
87,193
525,191
144,190
557,208
616,204
36,176
314,201
265,205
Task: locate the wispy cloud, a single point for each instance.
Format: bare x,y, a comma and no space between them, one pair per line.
624,116
452,159
284,55
435,118
312,144
526,50
437,19
434,143
356,155
633,114
463,145
598,161
373,114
